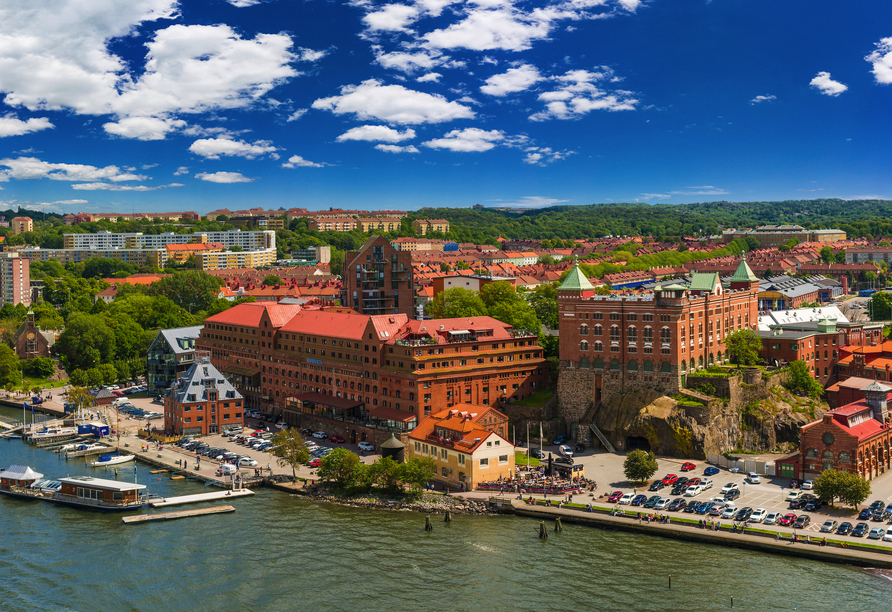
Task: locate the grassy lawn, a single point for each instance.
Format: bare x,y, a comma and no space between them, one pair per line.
536,399
522,458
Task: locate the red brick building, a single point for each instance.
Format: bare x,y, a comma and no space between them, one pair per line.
377,279
617,344
202,401
851,438
382,366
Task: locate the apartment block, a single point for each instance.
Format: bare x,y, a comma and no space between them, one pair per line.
377,279
15,279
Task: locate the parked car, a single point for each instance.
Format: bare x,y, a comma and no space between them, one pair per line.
537,453
247,461
732,495
677,505
704,507
829,526
808,484
336,439
888,536
787,520
753,478
565,450
687,466
802,521
794,494
314,463
860,529
731,486
758,515
694,481
563,459
771,518
560,440
366,446
865,514
626,498
706,483
876,533
691,507
744,514
639,500
678,489
693,491
651,502
711,471
662,503
729,511
669,479
657,485
615,497
320,435
844,529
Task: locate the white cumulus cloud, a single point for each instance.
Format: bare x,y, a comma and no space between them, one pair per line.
114,187
143,128
389,148
503,28
827,86
760,99
297,114
11,125
223,177
26,168
468,140
430,77
515,79
213,148
379,133
542,156
296,161
881,59
393,103
577,94
391,18
181,171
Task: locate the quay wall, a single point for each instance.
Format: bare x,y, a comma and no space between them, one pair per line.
766,544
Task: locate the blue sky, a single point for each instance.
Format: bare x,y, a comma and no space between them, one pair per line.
157,105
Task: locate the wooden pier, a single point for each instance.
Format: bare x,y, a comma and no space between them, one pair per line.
169,516
90,451
200,497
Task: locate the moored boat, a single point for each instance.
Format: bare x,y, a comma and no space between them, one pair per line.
111,459
18,480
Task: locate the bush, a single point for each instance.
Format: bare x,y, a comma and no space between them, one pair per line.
39,367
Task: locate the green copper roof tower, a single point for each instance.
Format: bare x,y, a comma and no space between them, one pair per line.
576,281
744,274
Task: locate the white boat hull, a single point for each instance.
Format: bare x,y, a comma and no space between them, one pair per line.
113,461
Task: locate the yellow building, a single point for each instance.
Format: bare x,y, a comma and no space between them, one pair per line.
423,226
180,253
19,225
227,260
384,225
140,257
464,452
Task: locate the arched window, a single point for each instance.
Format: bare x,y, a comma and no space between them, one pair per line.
719,357
684,365
827,455
633,366
583,363
700,361
648,366
666,367
583,346
614,365
614,334
665,335
811,453
598,346
633,333
844,457
648,334
598,330
583,330
598,364
710,359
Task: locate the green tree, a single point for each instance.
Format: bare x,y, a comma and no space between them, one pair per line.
840,256
801,380
386,472
108,372
829,485
547,260
39,367
456,302
128,336
855,491
416,472
743,347
290,448
192,290
752,244
86,342
639,465
543,299
880,306
504,303
338,466
271,279
9,366
78,378
444,267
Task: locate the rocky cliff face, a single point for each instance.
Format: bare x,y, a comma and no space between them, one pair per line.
679,430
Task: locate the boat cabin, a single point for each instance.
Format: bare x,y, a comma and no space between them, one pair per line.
98,491
18,476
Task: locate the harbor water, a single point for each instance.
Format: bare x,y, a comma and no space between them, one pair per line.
281,552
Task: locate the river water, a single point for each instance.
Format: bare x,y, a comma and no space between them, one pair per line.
280,552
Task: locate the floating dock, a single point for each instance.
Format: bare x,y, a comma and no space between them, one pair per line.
200,497
169,516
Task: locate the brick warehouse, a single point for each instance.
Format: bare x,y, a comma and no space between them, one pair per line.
273,352
618,344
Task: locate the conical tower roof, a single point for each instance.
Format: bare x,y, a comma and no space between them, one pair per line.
576,281
744,274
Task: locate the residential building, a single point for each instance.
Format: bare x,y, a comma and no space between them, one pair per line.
378,279
156,258
773,236
617,344
423,226
816,344
202,401
465,453
180,253
171,353
20,225
15,279
263,222
866,357
852,438
471,282
388,366
787,293
333,224
249,241
227,260
374,224
313,254
873,252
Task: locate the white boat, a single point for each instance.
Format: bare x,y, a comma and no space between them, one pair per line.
111,460
53,431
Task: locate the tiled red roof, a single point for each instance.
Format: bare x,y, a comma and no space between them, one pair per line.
323,323
249,314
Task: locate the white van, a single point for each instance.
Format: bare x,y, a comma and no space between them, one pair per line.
706,483
565,450
753,478
226,469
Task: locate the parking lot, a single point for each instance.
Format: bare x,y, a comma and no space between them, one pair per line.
606,469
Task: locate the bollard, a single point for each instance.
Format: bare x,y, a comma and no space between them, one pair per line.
448,518
557,525
427,524
543,532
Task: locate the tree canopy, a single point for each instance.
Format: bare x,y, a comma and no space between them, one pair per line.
743,347
639,465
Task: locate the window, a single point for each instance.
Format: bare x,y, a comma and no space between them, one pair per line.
484,463
503,459
461,459
598,330
633,333
583,330
633,366
583,346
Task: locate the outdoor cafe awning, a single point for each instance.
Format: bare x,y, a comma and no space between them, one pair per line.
392,414
329,401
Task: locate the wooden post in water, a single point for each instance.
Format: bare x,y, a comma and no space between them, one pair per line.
427,524
543,532
557,525
448,518
670,582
